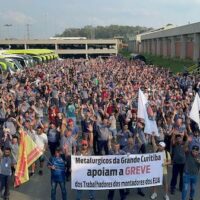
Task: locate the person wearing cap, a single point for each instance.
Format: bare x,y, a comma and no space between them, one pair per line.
57,165
191,170
167,161
85,150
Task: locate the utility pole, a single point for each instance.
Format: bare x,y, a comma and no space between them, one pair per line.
28,31
45,26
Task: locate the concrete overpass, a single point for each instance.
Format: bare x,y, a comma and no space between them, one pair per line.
65,47
175,42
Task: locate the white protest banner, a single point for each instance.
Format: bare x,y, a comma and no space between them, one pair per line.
194,113
145,112
116,171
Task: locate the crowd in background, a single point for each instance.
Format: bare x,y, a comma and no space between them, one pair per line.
89,107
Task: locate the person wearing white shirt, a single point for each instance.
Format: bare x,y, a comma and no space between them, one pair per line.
41,141
113,126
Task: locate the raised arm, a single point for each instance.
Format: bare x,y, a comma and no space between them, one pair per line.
63,126
155,147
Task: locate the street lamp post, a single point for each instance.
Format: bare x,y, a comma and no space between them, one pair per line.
28,31
8,30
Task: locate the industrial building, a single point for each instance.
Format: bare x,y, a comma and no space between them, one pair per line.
181,42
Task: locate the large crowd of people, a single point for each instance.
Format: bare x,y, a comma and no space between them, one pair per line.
89,107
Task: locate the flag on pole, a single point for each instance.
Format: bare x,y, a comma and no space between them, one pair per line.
145,112
29,152
194,113
21,174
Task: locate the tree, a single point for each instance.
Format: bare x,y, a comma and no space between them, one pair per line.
102,32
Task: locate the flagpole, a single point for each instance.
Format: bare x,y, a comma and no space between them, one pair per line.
47,159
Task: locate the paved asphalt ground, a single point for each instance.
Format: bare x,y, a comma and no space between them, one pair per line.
38,188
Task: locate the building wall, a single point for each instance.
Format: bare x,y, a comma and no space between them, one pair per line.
177,49
161,48
181,42
189,50
168,48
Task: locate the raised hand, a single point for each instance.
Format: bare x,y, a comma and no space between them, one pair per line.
90,128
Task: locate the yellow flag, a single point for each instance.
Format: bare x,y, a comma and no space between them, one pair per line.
28,154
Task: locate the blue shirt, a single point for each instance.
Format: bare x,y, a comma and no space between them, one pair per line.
132,150
71,111
124,135
195,142
52,135
75,130
5,166
57,174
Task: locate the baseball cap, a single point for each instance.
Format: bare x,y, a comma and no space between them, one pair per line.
6,130
70,121
58,149
195,148
162,144
39,127
84,142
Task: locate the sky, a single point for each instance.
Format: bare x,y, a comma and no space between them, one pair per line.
48,17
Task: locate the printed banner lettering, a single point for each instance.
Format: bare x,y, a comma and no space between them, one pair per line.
115,172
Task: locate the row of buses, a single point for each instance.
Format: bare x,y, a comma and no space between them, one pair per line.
12,61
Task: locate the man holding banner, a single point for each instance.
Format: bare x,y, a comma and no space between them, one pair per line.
85,151
116,151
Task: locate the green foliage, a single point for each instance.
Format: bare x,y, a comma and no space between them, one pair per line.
102,32
175,65
125,53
